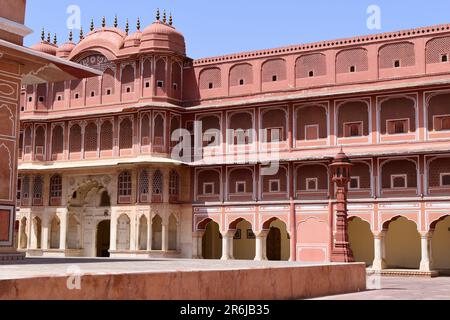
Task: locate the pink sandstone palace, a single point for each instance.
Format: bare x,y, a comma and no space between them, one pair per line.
97,177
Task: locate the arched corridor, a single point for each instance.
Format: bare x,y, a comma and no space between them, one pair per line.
361,240
244,241
55,231
440,245
402,244
157,233
103,238
212,242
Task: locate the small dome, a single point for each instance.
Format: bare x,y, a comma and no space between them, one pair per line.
341,157
160,35
65,50
133,40
45,47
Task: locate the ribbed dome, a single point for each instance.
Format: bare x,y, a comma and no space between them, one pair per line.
45,47
160,35
133,40
65,50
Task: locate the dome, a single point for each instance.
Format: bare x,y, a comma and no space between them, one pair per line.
45,47
160,35
133,40
65,50
341,157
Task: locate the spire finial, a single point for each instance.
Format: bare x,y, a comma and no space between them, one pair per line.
103,22
49,37
170,19
43,34
55,39
138,24
158,16
92,25
81,34
164,16
116,21
127,27
70,35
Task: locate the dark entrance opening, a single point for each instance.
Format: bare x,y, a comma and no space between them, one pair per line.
103,238
274,244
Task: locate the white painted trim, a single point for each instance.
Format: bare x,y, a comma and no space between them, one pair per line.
394,176
359,184
315,180
240,183
205,184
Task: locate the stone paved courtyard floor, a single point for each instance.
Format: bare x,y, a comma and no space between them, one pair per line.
402,289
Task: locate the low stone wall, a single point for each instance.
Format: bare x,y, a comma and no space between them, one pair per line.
246,284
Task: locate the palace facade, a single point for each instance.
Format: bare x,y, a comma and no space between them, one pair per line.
97,175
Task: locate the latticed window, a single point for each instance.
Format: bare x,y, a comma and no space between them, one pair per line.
174,183
40,140
37,187
145,130
25,187
157,182
57,140
126,134
90,137
106,136
56,186
125,184
144,186
75,138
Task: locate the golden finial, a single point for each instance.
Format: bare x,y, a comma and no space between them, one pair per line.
116,21
49,37
70,35
158,16
164,16
81,34
43,34
92,25
138,24
127,27
103,22
55,40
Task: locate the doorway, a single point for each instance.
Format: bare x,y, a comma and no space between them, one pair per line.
274,244
103,238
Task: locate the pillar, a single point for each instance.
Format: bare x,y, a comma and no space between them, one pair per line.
227,245
165,236
426,261
113,235
379,262
63,230
261,249
197,245
45,233
149,233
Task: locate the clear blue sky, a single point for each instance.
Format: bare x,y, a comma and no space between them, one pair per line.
216,27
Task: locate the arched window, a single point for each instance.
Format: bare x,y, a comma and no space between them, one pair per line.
128,79
37,191
124,187
145,130
174,185
55,190
39,143
57,141
157,186
75,139
90,137
126,134
144,187
106,136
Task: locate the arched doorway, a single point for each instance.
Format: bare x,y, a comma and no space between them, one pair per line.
173,233
361,240
23,234
212,242
55,233
123,232
157,233
402,244
244,242
37,233
440,245
143,233
278,242
103,238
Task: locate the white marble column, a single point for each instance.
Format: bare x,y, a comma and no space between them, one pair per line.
227,245
149,233
165,236
379,262
63,230
261,248
134,232
197,238
113,235
426,262
45,233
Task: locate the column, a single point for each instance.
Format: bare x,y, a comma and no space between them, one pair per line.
63,230
200,245
134,232
379,262
113,235
149,233
165,236
261,249
197,238
227,245
426,261
45,232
